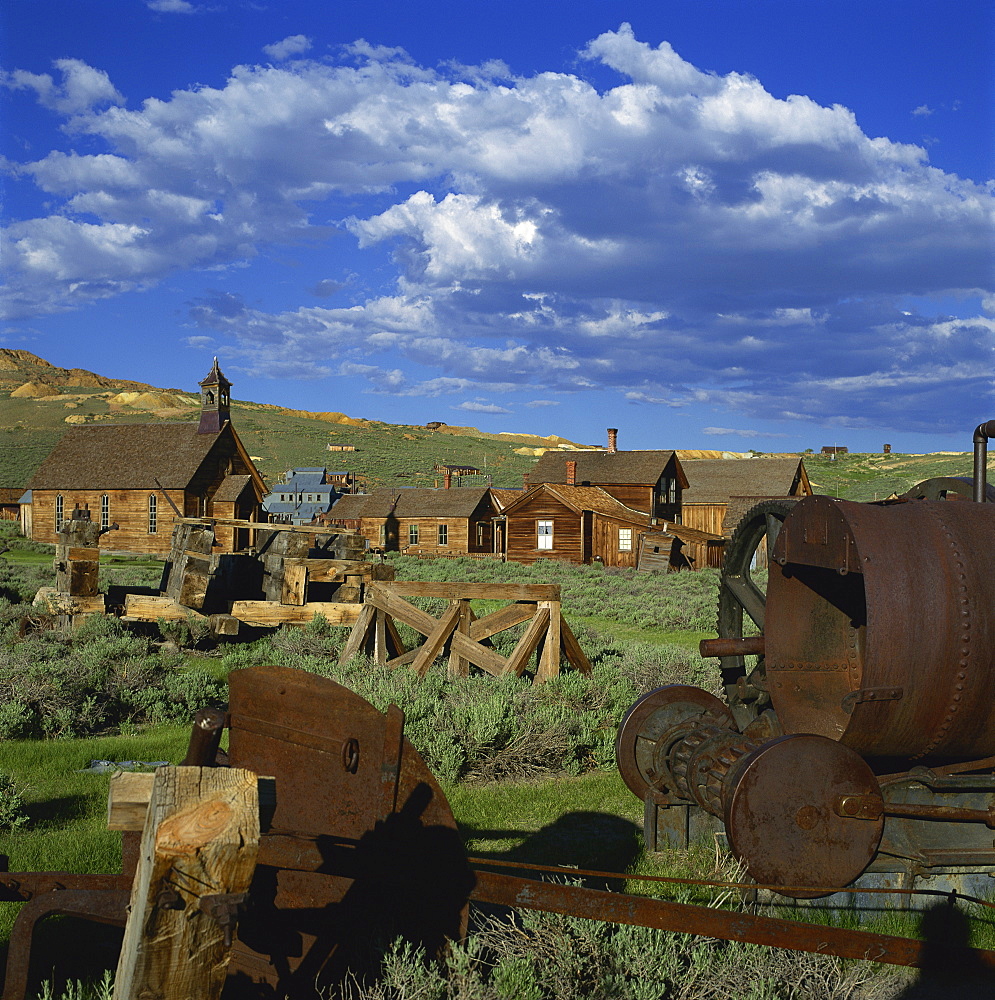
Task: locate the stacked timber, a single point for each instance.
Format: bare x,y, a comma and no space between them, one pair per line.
77,558
188,571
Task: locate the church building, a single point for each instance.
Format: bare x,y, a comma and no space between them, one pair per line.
141,476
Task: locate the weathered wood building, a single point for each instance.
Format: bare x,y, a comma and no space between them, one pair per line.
140,476
721,490
647,481
578,524
422,521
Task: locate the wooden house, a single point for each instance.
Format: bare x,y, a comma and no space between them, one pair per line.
647,481
140,476
719,487
578,524
422,521
10,502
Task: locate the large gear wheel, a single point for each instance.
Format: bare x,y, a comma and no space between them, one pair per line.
740,593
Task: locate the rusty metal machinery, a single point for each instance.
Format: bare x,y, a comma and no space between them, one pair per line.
359,843
856,743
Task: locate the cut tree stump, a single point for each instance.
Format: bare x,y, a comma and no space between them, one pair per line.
198,852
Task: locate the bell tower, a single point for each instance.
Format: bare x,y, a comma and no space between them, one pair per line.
215,401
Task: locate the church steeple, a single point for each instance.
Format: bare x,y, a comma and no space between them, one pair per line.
215,401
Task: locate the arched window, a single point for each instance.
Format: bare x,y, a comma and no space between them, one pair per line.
105,511
153,511
60,506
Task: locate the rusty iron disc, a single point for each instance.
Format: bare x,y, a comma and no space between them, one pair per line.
780,817
639,758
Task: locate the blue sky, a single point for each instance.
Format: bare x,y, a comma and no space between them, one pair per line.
709,223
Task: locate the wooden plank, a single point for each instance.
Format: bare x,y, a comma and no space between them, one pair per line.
380,654
459,666
528,642
477,591
404,659
91,555
423,622
571,648
436,639
201,838
65,604
295,577
274,613
335,570
549,658
498,621
360,632
140,607
393,636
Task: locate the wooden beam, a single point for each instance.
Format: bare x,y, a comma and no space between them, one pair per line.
528,642
360,632
139,607
63,604
571,648
549,658
336,570
436,639
477,591
423,622
498,621
295,575
200,839
274,613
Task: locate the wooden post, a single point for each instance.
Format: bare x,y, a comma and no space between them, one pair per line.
459,666
549,658
200,840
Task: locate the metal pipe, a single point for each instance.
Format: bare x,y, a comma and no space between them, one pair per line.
981,435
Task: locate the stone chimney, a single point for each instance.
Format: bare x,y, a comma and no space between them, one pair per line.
612,440
571,473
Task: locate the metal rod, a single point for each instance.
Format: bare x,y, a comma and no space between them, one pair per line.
981,435
752,645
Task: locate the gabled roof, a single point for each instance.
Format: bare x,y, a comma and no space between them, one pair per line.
715,480
580,498
505,497
459,502
125,457
606,468
231,488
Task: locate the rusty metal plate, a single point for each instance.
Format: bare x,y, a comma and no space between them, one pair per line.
781,820
638,753
362,845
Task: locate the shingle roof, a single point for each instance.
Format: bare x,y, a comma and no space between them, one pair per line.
458,502
715,480
603,468
349,507
504,497
125,456
231,488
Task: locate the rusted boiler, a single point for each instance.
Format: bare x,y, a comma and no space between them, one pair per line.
855,744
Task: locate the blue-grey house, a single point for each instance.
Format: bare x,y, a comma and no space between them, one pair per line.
301,497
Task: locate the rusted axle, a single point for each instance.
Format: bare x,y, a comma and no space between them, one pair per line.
752,645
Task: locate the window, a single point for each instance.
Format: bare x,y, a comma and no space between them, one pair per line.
625,539
544,534
443,534
105,511
412,534
153,511
383,534
668,491
59,511
481,533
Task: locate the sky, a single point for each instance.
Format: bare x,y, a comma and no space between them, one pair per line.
723,224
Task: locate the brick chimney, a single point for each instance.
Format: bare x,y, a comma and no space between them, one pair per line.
612,440
571,473
448,481
525,480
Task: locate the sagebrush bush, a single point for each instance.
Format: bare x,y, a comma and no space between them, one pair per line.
91,680
12,814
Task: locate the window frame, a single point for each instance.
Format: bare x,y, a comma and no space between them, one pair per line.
412,534
443,534
544,538
625,533
153,514
60,511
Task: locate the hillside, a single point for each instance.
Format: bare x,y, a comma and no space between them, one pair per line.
38,401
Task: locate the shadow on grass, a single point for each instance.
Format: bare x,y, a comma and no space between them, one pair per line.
590,840
58,811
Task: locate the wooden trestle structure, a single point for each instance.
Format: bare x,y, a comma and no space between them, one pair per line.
461,633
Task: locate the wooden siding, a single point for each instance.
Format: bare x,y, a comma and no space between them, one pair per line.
604,542
704,516
129,508
568,531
